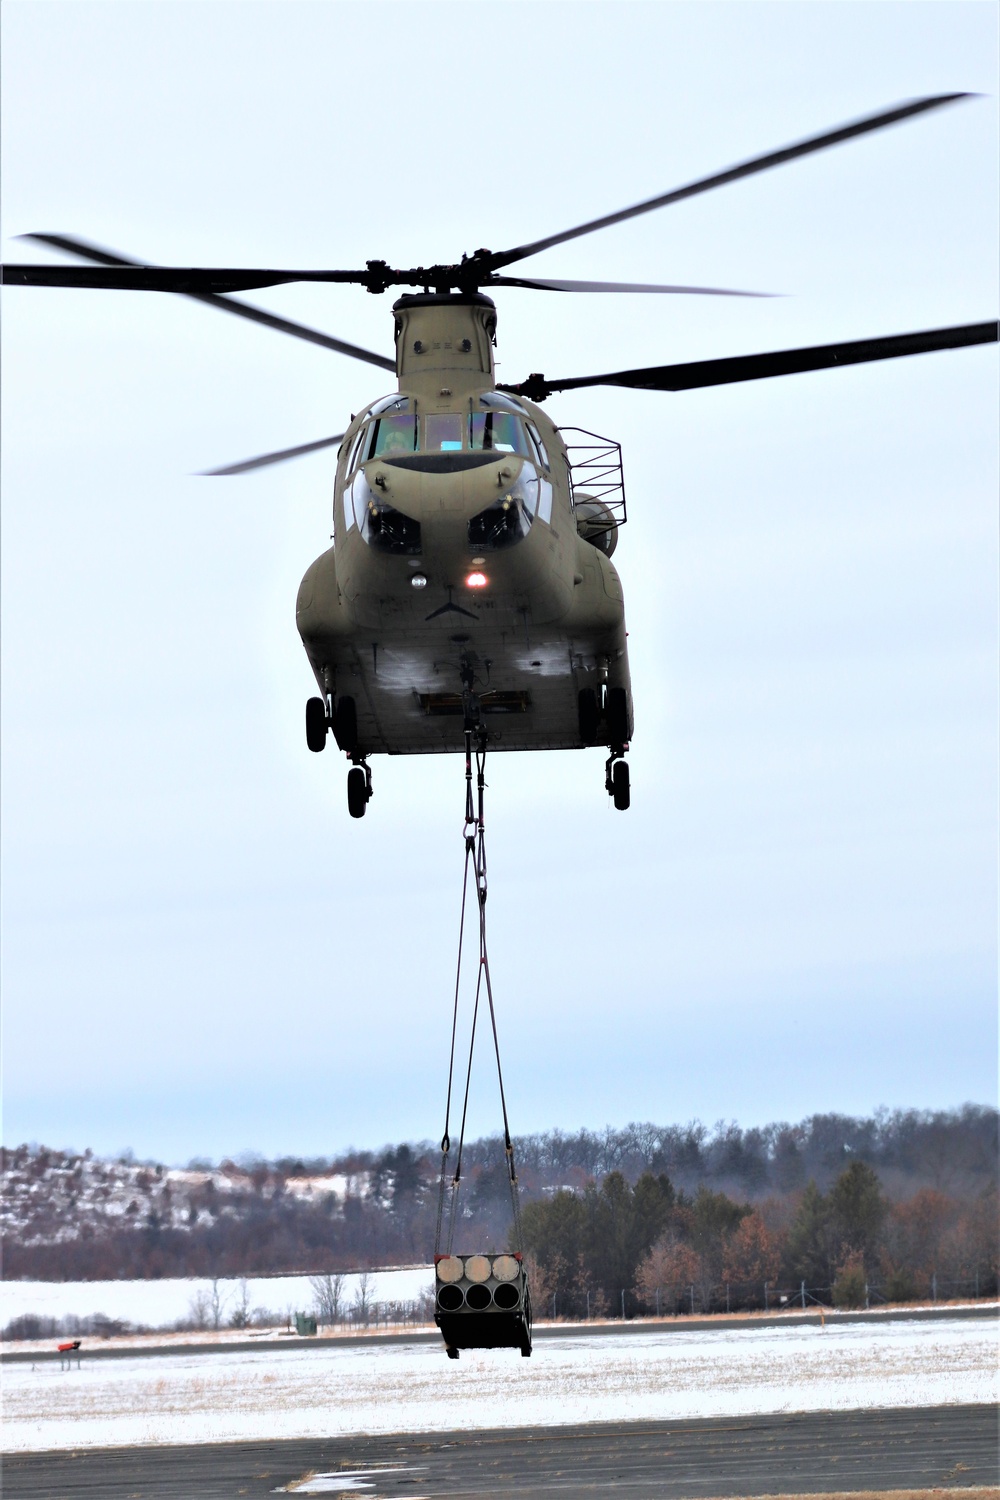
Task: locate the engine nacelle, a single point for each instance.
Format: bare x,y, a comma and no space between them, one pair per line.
596,523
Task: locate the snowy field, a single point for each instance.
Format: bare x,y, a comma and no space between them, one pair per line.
160,1304
408,1387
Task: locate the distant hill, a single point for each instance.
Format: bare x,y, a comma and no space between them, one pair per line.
66,1216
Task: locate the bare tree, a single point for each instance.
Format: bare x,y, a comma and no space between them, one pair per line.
362,1304
240,1315
200,1309
217,1303
327,1292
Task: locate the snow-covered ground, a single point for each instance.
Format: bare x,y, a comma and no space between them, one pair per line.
160,1304
310,1391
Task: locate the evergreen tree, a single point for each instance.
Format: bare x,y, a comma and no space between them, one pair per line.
553,1232
809,1239
713,1217
653,1203
608,1236
857,1213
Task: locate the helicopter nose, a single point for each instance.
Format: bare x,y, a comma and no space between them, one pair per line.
482,485
429,489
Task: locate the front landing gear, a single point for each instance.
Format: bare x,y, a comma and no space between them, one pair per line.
616,780
359,789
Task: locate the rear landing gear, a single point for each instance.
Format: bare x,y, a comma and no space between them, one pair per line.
359,789
616,713
340,718
589,711
345,724
316,724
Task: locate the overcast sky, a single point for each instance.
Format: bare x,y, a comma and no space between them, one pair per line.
203,953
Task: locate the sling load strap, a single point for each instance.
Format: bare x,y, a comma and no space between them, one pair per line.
475,854
468,833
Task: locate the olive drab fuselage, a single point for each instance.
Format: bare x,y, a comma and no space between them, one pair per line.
461,570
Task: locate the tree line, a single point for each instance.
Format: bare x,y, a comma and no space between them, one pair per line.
670,1216
647,1247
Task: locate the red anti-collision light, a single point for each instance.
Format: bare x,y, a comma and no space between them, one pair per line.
476,581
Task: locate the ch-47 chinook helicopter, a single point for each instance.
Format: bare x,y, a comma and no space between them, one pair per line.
470,585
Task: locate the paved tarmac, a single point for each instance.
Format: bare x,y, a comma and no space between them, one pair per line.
717,1323
806,1453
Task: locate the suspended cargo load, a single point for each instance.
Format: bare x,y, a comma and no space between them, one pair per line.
482,1302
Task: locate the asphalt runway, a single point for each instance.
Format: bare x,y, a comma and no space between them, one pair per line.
806,1453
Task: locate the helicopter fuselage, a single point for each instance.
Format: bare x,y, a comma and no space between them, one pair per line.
469,592
469,578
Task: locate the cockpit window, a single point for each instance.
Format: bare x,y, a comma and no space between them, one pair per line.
498,401
389,403
499,426
356,451
443,433
396,432
538,444
497,430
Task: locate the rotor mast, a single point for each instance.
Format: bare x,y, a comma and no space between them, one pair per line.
444,345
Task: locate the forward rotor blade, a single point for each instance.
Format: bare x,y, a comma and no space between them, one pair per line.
733,174
543,284
227,304
271,458
708,372
190,279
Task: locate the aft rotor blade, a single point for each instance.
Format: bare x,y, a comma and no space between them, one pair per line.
708,372
227,304
733,174
544,284
99,254
271,458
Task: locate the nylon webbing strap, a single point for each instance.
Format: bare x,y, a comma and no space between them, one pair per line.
474,835
468,834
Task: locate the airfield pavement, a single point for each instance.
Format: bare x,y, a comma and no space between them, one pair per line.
916,1450
653,1410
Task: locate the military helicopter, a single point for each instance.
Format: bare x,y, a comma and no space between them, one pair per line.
470,587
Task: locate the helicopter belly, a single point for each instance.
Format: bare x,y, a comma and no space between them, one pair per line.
405,671
443,600
409,694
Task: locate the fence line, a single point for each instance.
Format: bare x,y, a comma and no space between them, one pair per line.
690,1299
582,1304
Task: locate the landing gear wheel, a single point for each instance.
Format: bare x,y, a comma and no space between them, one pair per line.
590,715
316,724
345,726
617,715
620,785
357,791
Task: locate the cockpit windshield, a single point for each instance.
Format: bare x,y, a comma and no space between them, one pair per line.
396,432
443,432
499,430
393,428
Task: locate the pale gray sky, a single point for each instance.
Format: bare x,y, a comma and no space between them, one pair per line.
202,952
